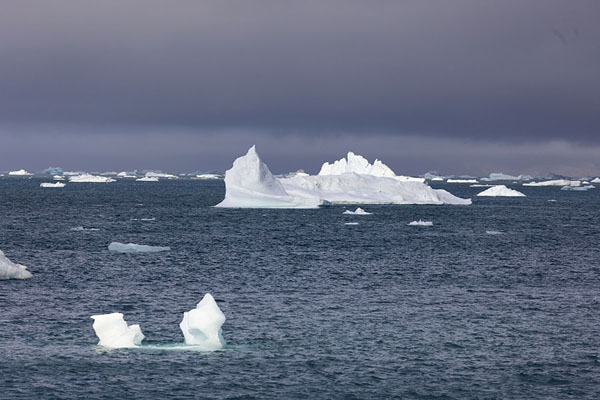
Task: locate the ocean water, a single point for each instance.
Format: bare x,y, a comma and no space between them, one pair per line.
496,300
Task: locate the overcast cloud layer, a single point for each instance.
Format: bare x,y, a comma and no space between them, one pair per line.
477,74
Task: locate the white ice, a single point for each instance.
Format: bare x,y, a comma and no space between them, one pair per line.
113,332
480,185
202,325
351,223
147,179
250,184
499,176
493,232
88,178
11,270
160,175
358,211
360,165
81,228
595,180
52,185
421,223
125,174
208,176
451,180
20,172
135,248
578,188
58,178
500,191
554,182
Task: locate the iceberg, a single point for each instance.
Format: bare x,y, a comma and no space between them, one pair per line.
125,174
88,178
10,270
350,223
480,185
451,180
420,223
250,184
578,188
53,171
113,332
58,178
135,248
52,185
20,172
202,325
500,191
151,174
81,228
595,180
358,211
360,165
147,179
554,182
208,176
499,176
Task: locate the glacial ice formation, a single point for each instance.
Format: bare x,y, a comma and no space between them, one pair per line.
152,174
135,248
500,191
554,182
250,184
208,176
584,188
360,165
20,172
58,178
53,171
460,180
88,178
11,270
113,332
125,174
147,179
358,211
499,176
201,326
421,223
595,180
52,185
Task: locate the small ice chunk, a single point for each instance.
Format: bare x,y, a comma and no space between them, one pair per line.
88,178
10,270
451,180
421,223
135,248
351,223
578,188
147,179
358,211
20,172
500,191
202,325
52,185
113,332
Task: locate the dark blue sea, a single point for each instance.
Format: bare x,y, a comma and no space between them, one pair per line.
497,300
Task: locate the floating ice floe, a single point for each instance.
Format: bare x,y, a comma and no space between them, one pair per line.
595,180
481,185
52,185
89,178
554,182
11,270
461,180
493,232
53,171
208,176
421,223
350,223
151,174
499,176
125,174
143,219
147,179
500,191
113,332
358,211
584,188
58,178
135,248
201,326
250,184
20,172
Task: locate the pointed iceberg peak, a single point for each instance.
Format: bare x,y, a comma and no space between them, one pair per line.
357,164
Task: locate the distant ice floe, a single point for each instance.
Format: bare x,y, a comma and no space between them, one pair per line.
151,174
481,185
552,200
20,172
147,179
127,175
499,176
554,182
450,180
578,188
350,223
494,233
11,270
209,176
201,326
358,211
81,228
52,185
58,178
250,184
595,180
89,178
421,223
500,191
143,219
53,171
114,333
135,248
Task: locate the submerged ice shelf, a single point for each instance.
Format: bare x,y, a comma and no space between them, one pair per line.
250,184
11,270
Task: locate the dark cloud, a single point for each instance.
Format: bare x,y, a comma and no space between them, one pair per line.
483,70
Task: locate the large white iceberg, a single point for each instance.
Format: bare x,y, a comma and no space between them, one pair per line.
360,165
135,248
88,178
250,184
10,270
52,185
500,191
202,325
113,332
554,182
20,172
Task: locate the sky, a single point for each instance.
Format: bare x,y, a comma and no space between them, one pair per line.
460,87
